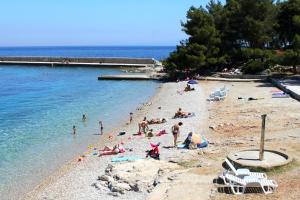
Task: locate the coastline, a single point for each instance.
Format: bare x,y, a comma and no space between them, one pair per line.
235,125
148,110
69,165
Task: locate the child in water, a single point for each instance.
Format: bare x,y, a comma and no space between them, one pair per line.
74,129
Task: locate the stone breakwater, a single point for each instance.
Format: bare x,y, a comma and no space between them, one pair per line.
88,61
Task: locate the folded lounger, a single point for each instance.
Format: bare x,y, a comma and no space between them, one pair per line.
238,185
240,172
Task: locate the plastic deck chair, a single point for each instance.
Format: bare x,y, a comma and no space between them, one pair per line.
241,172
238,185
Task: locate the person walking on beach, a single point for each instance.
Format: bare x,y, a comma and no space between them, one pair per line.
130,117
74,129
175,132
143,126
101,127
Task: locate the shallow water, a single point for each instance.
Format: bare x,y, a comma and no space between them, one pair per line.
39,106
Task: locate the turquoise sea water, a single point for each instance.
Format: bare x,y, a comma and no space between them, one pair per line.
38,107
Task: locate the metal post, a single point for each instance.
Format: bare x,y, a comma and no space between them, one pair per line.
262,137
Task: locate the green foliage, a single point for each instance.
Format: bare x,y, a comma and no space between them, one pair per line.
240,32
254,67
289,21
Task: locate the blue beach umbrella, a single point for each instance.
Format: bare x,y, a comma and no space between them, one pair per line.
192,82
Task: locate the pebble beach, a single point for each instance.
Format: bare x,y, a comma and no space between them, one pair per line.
228,125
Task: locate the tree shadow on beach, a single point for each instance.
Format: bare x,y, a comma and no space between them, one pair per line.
265,84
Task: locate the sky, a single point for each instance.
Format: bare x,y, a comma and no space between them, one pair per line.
93,22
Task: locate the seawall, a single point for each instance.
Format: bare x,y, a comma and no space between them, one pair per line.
87,61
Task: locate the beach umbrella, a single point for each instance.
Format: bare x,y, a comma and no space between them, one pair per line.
192,82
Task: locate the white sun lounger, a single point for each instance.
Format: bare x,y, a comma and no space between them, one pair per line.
243,172
239,185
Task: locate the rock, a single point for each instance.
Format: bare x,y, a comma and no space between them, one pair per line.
109,169
155,182
115,194
96,185
212,127
105,178
124,186
135,187
117,189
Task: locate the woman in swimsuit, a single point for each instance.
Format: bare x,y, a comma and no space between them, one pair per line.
175,132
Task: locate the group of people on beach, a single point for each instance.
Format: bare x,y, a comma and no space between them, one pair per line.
175,129
84,119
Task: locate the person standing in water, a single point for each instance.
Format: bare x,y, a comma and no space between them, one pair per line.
74,129
175,132
83,117
101,127
130,117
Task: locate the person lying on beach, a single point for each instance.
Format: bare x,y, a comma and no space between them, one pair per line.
175,132
143,125
157,121
181,114
111,151
188,88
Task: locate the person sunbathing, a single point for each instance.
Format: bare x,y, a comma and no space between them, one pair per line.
110,151
181,114
188,88
157,121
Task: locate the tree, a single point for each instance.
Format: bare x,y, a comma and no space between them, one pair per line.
289,32
289,22
202,48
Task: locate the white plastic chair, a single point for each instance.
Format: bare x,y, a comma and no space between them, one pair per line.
238,185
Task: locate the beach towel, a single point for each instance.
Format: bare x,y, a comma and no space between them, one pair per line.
163,132
125,158
280,95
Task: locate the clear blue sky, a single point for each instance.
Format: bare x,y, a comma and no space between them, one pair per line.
93,22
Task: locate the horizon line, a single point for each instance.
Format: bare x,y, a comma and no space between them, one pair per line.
26,46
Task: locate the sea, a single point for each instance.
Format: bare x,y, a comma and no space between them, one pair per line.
39,105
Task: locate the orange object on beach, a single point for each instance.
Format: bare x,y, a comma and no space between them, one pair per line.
110,136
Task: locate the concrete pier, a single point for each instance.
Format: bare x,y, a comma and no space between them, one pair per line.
83,61
127,77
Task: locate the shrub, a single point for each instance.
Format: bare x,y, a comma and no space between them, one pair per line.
254,67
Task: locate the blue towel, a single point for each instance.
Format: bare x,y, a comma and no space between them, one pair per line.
123,159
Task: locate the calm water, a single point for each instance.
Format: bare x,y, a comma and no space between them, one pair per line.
137,52
39,106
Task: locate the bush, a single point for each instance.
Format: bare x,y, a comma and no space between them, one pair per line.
254,67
